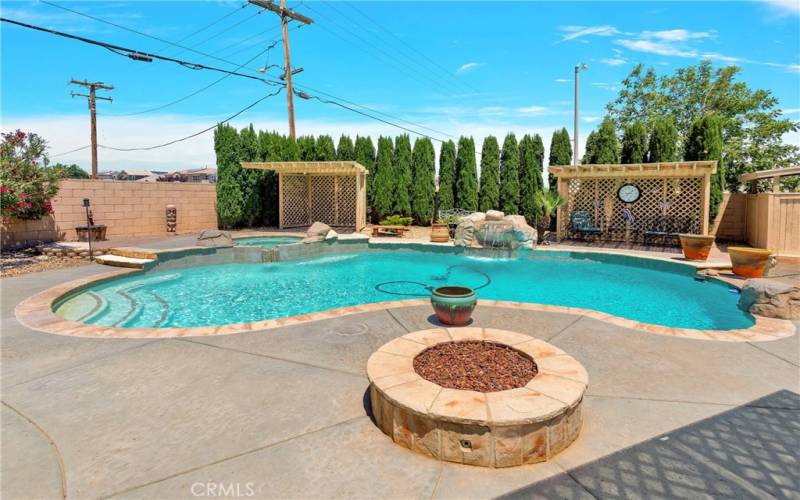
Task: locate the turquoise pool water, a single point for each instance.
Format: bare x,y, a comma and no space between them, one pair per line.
266,241
651,292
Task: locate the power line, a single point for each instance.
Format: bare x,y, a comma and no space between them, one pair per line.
70,151
212,23
231,117
196,92
225,30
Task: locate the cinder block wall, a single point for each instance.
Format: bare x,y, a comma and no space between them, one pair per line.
126,208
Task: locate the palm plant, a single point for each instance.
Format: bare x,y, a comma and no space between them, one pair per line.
548,202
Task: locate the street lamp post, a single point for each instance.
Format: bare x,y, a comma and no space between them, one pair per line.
578,68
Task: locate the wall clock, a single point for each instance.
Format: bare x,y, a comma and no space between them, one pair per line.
629,193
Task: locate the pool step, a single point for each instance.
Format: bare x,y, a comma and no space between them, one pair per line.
122,261
134,253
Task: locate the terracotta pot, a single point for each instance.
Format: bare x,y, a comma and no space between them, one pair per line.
749,262
696,246
454,304
440,233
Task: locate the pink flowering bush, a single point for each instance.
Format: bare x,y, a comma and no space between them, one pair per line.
26,185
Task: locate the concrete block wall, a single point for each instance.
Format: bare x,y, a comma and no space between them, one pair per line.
126,208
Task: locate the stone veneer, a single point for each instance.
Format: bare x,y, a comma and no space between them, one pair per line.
494,429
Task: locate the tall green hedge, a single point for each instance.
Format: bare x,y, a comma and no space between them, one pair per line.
324,150
634,143
602,146
345,150
383,187
365,155
229,194
402,176
489,194
424,171
704,142
466,193
509,175
663,145
250,180
306,146
560,154
447,176
531,159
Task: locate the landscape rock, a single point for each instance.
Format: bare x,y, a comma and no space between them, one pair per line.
214,238
770,298
494,215
523,233
319,231
465,232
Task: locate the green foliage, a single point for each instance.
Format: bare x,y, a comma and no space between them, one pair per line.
365,155
250,180
663,145
634,143
345,150
396,220
229,193
753,127
447,176
424,171
402,175
26,185
601,145
547,202
306,146
70,171
324,150
560,154
489,194
531,159
270,148
383,186
704,142
466,190
509,176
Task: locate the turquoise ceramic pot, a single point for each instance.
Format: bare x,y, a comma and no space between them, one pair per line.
454,304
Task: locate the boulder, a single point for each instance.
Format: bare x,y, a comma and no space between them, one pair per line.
523,233
465,232
319,231
214,238
494,215
770,298
474,217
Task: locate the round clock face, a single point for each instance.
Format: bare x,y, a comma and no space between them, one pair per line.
629,193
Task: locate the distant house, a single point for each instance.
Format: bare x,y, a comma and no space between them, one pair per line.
206,175
130,175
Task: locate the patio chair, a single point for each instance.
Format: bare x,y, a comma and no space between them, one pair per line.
582,224
663,227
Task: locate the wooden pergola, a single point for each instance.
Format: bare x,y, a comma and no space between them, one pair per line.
333,192
676,190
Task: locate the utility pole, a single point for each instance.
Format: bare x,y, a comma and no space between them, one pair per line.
578,68
286,16
93,86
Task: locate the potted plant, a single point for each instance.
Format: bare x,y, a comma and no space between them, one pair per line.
749,262
696,246
454,304
440,232
547,202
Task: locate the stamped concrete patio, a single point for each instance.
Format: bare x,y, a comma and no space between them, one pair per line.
283,413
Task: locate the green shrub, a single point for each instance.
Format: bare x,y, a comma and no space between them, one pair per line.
397,220
489,194
424,170
466,191
402,175
26,186
447,176
509,176
383,184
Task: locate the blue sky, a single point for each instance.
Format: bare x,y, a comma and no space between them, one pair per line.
456,67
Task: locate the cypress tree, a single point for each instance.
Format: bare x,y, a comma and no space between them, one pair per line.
345,150
704,142
383,187
663,141
290,150
269,145
634,143
591,148
324,150
250,180
306,148
560,154
604,145
489,194
365,155
229,195
466,190
402,176
531,157
509,176
424,171
447,176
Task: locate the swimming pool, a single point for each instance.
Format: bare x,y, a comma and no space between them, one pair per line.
266,241
646,291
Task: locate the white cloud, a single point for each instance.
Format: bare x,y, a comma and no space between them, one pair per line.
590,119
562,80
611,87
533,110
465,68
614,61
791,111
660,48
575,32
784,6
676,35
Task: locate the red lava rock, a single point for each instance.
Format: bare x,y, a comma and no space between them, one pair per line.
475,365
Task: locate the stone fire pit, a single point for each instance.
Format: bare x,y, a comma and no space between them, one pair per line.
522,425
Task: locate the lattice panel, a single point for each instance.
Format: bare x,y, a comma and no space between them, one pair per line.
677,198
322,202
295,201
347,198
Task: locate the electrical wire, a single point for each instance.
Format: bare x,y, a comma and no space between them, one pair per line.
231,117
70,151
204,40
196,92
212,23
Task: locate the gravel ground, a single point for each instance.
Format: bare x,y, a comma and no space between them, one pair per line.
18,262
